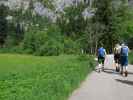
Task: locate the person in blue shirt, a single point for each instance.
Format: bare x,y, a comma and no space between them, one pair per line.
124,59
101,58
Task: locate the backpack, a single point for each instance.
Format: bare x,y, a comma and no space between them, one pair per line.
101,52
117,50
124,51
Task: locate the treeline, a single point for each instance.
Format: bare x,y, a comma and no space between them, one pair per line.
73,32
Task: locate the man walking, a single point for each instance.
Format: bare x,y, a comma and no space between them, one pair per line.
117,52
124,59
101,58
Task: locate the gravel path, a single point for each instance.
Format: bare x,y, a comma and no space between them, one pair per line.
107,85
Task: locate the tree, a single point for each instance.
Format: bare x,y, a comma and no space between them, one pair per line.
3,24
48,3
72,22
107,29
124,18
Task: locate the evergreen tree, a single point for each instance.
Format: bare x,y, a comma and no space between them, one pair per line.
124,17
105,18
3,24
72,22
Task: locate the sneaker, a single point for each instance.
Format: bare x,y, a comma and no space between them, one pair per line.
99,70
126,74
102,68
117,69
121,72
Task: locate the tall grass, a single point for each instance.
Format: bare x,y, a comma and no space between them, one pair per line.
131,58
24,77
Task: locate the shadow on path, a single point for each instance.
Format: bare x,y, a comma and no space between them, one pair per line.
112,71
109,71
131,73
125,82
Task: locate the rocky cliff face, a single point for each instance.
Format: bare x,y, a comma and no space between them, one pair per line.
39,8
130,2
59,4
43,11
15,4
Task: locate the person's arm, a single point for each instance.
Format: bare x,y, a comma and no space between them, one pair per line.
97,52
114,50
105,53
128,51
121,51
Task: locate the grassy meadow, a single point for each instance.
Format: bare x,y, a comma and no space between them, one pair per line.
26,77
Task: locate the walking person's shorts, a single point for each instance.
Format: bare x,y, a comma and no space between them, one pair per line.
124,60
101,59
117,58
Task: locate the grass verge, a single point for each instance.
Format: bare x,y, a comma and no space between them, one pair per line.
24,77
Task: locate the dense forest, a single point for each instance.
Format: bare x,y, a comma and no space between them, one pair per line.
80,27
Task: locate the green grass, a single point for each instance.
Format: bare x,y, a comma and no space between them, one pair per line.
24,77
131,58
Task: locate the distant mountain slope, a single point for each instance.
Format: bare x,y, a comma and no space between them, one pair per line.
130,2
25,3
14,4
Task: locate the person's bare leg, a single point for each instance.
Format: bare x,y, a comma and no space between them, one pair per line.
116,66
99,67
119,67
125,71
121,70
103,64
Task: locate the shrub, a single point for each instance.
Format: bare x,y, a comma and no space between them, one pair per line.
51,47
10,41
28,42
131,57
41,43
130,43
70,46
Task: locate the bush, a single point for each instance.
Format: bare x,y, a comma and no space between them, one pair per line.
10,41
44,42
70,46
15,49
50,48
12,45
29,42
83,57
130,43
